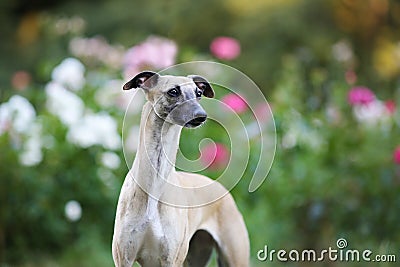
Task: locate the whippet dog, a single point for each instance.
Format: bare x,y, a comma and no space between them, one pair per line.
154,232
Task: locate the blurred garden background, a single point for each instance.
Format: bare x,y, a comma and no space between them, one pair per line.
329,69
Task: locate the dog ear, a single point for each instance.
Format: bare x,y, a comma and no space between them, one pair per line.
203,85
145,80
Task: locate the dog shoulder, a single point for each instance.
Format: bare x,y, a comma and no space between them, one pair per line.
188,179
194,180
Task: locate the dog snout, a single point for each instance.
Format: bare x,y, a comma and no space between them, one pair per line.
199,118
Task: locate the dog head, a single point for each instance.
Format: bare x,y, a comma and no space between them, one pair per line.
174,98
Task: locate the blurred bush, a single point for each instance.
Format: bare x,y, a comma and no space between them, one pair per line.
45,165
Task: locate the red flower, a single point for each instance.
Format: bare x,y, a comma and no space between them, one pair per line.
225,48
214,156
360,95
396,155
390,106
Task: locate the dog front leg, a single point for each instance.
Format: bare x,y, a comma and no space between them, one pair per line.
120,258
124,249
173,253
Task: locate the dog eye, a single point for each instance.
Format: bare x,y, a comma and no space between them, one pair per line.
174,92
199,93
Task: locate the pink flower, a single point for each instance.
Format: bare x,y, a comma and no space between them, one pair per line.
225,48
235,102
390,106
396,155
360,95
97,49
214,156
153,53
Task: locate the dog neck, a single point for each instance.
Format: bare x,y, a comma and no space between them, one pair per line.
156,154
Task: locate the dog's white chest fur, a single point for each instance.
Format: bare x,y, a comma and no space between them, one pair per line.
153,218
140,227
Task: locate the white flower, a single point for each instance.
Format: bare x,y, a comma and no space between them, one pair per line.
371,113
18,113
342,51
73,210
95,129
110,160
298,132
289,140
70,73
106,96
64,104
31,154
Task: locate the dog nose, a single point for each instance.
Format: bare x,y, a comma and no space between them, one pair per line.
200,119
200,115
